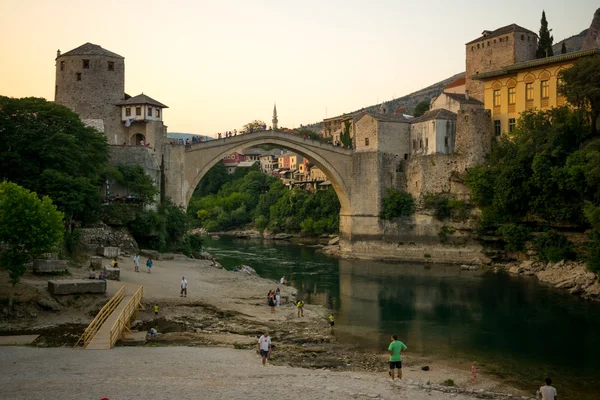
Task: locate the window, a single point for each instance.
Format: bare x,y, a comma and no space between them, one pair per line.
158,113
149,111
529,91
426,143
62,65
420,143
86,64
138,111
472,48
522,37
512,95
488,43
111,65
78,76
545,89
497,127
128,111
366,141
496,98
446,141
512,122
477,45
414,144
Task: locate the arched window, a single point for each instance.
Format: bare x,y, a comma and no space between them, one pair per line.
137,139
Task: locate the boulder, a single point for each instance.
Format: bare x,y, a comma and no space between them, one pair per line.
334,241
206,256
515,269
155,255
77,286
108,252
215,237
282,236
114,274
50,266
95,262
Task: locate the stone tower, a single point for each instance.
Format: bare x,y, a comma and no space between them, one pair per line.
274,120
497,49
91,81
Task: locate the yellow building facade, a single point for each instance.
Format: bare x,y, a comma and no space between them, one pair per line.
525,86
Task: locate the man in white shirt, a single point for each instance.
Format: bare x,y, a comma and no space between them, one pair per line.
548,392
264,347
183,287
136,262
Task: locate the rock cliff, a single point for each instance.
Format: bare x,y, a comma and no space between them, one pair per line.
592,39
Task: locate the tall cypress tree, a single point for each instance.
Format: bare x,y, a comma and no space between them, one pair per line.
545,44
563,49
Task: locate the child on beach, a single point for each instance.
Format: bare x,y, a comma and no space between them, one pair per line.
149,265
300,306
156,310
473,372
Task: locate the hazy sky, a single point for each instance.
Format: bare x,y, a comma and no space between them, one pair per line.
220,64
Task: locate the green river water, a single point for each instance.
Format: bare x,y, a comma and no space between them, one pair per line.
514,327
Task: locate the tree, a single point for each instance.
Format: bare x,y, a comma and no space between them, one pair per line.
545,44
137,181
421,108
397,204
29,227
345,138
254,126
563,49
47,149
581,86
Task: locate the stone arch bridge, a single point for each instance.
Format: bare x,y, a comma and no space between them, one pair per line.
356,177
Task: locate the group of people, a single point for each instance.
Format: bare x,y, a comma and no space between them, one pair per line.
195,139
227,134
136,263
101,276
274,299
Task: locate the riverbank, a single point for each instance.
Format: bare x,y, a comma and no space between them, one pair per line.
228,309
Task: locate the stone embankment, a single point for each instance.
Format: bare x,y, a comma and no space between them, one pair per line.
104,235
569,275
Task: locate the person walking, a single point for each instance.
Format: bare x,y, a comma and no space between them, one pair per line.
272,300
156,310
547,391
300,306
183,287
149,265
278,297
136,262
264,347
395,350
331,322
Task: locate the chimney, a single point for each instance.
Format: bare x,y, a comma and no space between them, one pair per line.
466,94
57,53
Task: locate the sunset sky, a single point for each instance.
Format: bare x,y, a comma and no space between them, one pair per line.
221,64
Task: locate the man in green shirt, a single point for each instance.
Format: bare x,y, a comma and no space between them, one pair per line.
395,349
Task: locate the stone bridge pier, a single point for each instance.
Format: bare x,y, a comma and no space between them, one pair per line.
357,178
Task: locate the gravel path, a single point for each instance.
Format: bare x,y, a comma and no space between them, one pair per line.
182,373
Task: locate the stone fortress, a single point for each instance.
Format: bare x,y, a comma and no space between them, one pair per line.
424,155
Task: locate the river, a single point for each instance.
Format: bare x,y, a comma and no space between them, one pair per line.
514,327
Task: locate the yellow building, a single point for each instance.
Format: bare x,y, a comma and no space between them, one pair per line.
523,86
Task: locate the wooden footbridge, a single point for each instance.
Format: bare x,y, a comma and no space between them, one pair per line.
112,322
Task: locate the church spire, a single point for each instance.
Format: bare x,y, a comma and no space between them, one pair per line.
274,120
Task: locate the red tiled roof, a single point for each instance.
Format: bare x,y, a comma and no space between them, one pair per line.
458,82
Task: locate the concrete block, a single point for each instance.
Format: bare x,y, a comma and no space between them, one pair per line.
95,262
108,252
76,286
114,274
50,266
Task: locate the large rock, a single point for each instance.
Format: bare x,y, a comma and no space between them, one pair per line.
592,39
50,266
108,252
334,241
282,236
95,262
114,274
205,256
76,286
153,254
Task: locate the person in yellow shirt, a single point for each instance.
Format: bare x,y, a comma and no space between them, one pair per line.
331,323
156,310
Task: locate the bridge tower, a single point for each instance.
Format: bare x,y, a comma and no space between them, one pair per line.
274,120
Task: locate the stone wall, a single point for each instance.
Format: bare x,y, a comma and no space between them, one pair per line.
104,235
366,128
146,157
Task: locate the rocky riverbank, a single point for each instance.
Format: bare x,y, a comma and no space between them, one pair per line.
568,275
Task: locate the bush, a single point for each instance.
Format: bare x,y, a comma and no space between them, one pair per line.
448,382
593,256
440,205
261,223
515,236
552,246
211,226
397,204
445,232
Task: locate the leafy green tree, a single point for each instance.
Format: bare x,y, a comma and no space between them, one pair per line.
545,43
345,138
137,182
421,108
29,227
397,204
254,126
563,49
581,86
47,149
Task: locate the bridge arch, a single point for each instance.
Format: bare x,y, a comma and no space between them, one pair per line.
335,162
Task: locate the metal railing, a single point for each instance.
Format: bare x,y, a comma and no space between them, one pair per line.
102,315
122,323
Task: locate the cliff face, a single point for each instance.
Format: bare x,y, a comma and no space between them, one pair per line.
572,43
592,39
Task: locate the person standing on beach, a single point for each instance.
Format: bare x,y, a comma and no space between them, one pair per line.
331,322
300,305
183,287
395,350
156,310
264,347
149,265
136,262
278,297
548,391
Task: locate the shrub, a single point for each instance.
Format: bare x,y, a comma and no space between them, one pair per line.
211,226
593,256
397,204
261,223
552,246
445,232
515,236
448,382
440,205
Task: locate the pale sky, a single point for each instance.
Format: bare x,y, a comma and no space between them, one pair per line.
221,64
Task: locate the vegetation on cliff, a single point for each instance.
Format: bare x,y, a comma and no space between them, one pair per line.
249,197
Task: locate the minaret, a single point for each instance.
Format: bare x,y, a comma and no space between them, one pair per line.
274,120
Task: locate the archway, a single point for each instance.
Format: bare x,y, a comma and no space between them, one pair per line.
137,139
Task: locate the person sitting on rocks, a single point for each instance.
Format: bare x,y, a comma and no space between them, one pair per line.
102,276
114,263
92,275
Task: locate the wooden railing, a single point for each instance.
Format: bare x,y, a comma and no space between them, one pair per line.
104,313
122,323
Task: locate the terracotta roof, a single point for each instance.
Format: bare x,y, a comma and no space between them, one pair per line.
537,63
440,113
502,31
383,117
458,82
90,49
141,99
462,98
